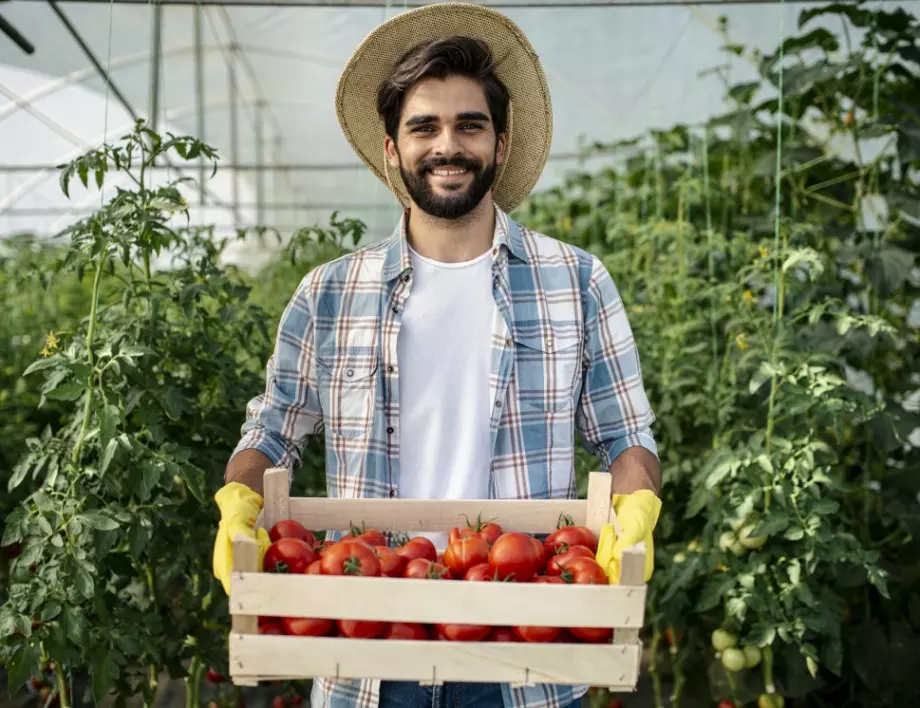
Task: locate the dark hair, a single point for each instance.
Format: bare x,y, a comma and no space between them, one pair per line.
442,58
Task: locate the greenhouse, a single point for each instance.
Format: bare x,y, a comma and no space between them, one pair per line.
181,185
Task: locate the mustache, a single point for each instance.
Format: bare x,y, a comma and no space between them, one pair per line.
465,163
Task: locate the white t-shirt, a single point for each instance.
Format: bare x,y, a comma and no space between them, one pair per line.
444,358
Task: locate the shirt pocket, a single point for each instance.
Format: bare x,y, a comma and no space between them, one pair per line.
547,360
347,391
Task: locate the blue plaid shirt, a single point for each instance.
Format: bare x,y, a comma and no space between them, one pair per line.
563,358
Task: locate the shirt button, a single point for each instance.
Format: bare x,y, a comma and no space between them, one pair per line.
392,492
390,430
350,373
508,342
390,369
395,308
498,404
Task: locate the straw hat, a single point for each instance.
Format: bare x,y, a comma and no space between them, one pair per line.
530,120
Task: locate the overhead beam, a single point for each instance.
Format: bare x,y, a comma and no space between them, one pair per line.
498,4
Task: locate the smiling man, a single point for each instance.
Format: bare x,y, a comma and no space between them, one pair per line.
458,357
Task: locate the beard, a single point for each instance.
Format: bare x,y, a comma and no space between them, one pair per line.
460,201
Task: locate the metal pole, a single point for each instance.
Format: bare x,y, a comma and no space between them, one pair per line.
234,136
157,47
199,101
260,163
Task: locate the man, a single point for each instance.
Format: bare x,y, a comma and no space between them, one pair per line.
456,358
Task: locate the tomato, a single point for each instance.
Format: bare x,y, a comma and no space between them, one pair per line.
568,536
418,547
464,632
271,628
480,572
391,563
502,634
723,639
426,569
315,568
551,579
770,700
407,630
350,558
288,555
585,571
733,659
727,704
489,531
361,629
464,553
557,563
288,528
307,626
215,677
371,537
536,634
279,702
322,546
516,556
592,635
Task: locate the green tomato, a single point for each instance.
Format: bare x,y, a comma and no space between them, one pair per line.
749,541
733,659
751,657
726,540
722,639
680,557
771,700
738,549
736,524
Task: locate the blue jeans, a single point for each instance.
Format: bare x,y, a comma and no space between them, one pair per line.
407,694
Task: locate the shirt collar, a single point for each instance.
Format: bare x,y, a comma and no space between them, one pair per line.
507,236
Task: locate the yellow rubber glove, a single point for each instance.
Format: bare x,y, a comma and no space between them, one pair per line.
239,507
637,513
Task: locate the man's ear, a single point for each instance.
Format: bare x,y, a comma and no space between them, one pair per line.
392,151
501,145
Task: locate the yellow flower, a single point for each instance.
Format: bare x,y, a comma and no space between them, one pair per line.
566,223
51,344
764,252
739,340
748,297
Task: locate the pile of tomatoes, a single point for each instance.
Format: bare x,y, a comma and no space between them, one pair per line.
479,552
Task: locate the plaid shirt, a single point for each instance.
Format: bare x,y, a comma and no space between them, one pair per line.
563,358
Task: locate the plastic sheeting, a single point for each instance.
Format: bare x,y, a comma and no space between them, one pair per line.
614,72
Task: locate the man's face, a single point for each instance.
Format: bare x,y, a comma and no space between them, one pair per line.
447,150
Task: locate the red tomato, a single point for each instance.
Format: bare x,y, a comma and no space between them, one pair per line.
551,579
536,634
592,635
279,702
585,571
464,553
727,704
568,536
464,632
480,572
288,555
215,677
371,537
307,626
502,634
516,556
315,568
288,528
489,531
350,558
406,630
557,563
426,569
391,563
418,547
271,628
361,629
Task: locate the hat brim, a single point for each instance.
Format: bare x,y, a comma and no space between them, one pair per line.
517,66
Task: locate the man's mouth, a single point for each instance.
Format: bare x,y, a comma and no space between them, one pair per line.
449,171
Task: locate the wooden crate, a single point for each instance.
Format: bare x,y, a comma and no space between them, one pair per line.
255,657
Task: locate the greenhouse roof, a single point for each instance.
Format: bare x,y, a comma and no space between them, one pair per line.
257,80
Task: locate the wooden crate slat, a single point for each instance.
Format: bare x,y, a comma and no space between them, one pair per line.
268,657
537,516
432,601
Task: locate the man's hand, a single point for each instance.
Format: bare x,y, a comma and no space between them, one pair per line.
239,507
638,514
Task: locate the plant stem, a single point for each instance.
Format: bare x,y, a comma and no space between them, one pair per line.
61,680
653,665
193,684
90,335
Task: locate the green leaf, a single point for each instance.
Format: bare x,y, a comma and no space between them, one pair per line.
762,634
826,506
21,665
98,520
42,364
83,581
44,525
877,578
74,624
108,424
714,591
23,625
795,534
49,611
104,671
772,525
812,666
19,474
66,392
107,455
687,573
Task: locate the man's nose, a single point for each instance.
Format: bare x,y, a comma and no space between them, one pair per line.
448,144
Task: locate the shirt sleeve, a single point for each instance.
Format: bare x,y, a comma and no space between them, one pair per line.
279,420
613,412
